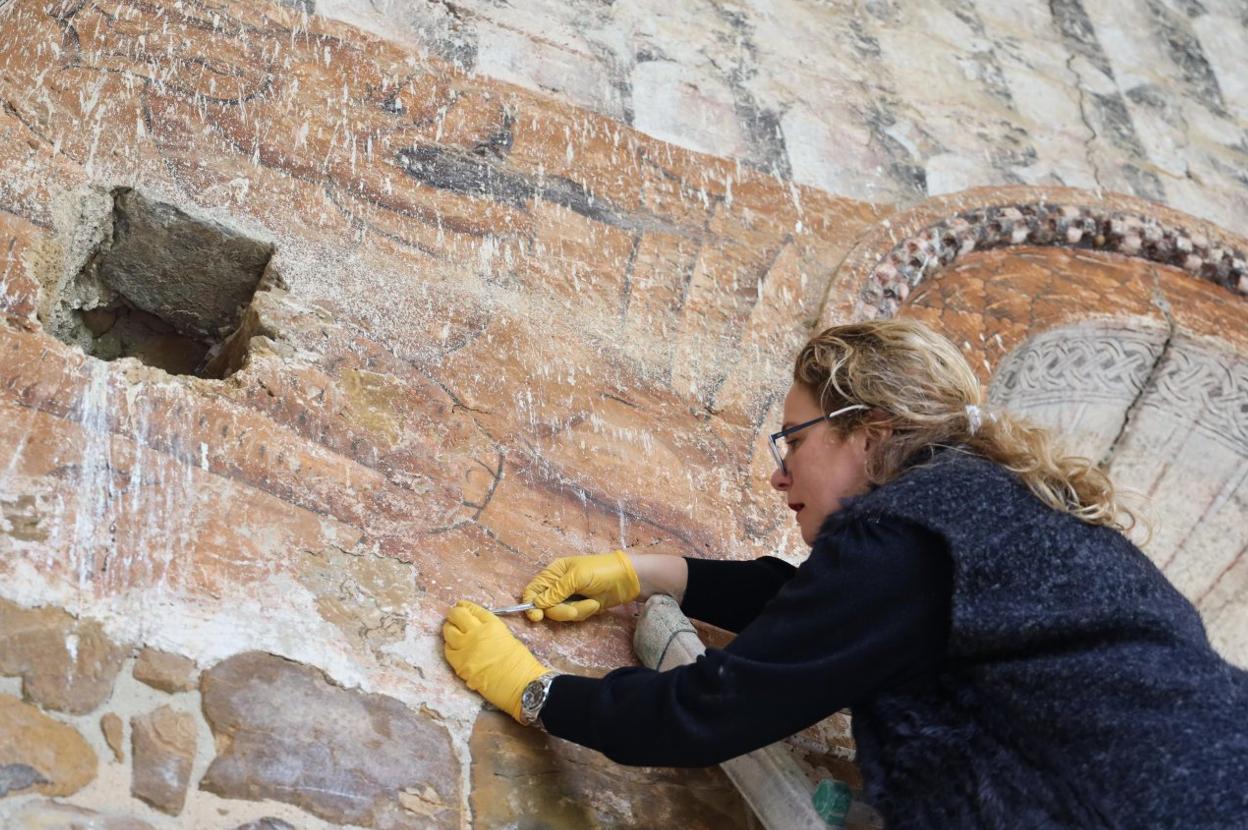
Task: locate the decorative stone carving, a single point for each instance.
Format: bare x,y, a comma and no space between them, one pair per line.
1209,387
40,754
1115,361
1110,361
165,671
1080,382
66,664
163,744
285,732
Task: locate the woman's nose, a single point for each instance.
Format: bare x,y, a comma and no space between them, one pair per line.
780,479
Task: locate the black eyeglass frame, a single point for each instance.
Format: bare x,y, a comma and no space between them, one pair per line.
785,433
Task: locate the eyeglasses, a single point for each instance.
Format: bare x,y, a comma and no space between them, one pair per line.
777,454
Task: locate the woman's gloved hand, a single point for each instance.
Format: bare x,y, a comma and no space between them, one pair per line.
604,580
488,657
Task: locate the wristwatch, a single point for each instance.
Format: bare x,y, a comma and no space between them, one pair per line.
534,698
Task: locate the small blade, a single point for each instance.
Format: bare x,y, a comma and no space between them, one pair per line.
512,609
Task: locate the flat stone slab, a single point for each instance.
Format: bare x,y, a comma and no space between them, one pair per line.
284,732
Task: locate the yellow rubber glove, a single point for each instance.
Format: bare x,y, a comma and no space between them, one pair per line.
488,657
604,580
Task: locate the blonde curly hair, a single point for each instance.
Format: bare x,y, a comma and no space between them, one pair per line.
919,385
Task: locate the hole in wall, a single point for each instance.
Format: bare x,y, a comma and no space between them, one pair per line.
166,288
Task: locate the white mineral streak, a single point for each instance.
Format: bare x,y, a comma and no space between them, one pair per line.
180,494
9,488
96,491
141,423
10,264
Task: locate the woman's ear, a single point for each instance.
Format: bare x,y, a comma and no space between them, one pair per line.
876,432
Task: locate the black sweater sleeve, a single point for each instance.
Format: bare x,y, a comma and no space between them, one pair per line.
869,609
730,594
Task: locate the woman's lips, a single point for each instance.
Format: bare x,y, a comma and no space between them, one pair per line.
796,508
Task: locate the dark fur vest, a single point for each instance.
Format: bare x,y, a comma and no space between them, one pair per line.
1079,688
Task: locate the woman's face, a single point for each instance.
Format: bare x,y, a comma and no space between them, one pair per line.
823,468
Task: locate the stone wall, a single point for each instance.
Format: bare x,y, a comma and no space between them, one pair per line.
317,319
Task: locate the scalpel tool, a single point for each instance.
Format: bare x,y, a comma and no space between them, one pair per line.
512,609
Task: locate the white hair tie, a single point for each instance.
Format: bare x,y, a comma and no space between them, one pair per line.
974,417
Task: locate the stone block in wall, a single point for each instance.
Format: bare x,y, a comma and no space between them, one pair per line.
163,745
41,754
522,777
66,664
113,728
285,732
165,671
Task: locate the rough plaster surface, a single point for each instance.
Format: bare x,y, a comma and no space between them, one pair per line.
518,324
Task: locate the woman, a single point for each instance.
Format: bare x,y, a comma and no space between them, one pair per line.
1010,659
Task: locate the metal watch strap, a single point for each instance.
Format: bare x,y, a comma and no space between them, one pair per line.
534,698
